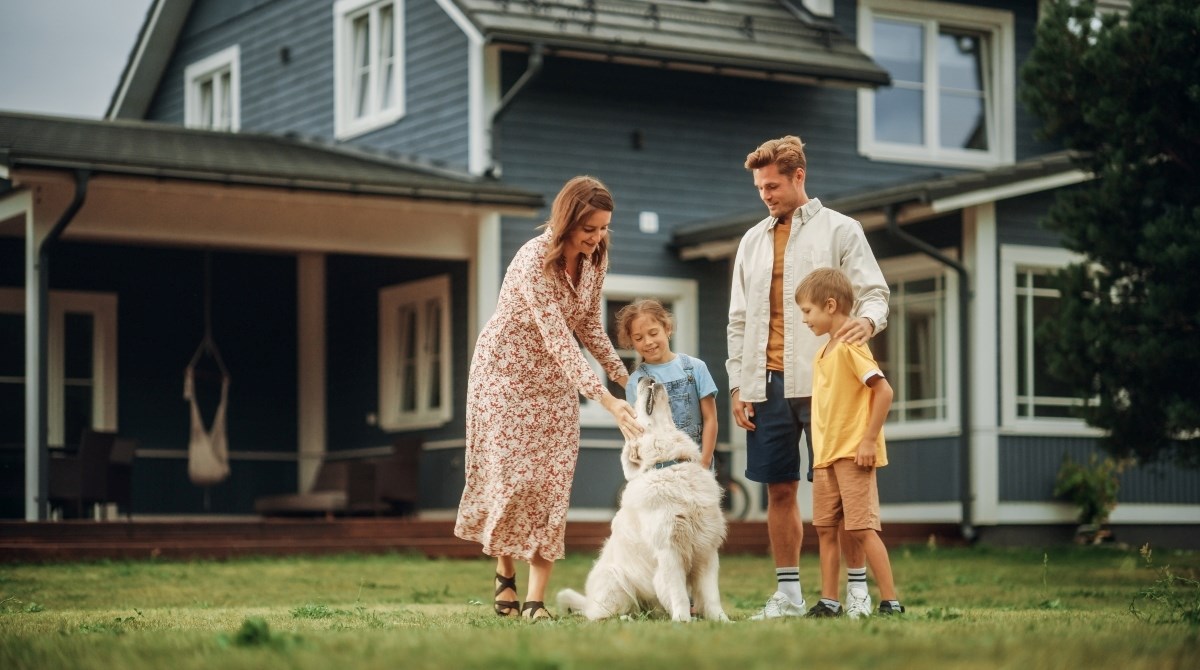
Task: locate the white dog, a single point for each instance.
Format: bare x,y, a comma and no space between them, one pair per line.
667,531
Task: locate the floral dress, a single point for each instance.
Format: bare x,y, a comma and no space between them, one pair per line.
523,406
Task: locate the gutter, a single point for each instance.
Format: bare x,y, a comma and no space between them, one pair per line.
964,369
533,68
37,452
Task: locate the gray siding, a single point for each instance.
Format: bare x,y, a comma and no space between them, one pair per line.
1019,221
921,471
297,96
1028,466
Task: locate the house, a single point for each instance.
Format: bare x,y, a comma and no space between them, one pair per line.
912,123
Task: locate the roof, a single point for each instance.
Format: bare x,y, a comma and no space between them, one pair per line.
930,195
755,37
147,149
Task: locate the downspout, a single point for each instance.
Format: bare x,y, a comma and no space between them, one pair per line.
533,68
964,368
37,452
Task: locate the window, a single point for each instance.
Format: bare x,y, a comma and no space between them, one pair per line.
211,92
414,354
368,44
1031,397
919,347
677,295
951,101
81,361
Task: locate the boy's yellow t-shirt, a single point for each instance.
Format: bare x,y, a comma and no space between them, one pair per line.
841,403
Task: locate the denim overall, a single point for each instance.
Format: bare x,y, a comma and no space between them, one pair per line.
684,395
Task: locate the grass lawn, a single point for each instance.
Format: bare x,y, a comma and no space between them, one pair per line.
967,608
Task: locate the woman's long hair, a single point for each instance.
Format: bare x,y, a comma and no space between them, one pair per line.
579,198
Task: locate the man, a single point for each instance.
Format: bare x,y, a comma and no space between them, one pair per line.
771,352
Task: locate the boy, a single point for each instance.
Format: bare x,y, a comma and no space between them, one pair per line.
850,402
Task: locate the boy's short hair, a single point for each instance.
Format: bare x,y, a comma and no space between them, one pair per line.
825,283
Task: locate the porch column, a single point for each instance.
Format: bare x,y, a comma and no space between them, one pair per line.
310,367
485,276
982,249
36,466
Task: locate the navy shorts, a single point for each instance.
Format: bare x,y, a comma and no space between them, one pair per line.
773,447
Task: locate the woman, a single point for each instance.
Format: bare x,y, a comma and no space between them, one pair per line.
522,396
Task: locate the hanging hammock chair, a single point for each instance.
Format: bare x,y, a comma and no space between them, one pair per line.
208,448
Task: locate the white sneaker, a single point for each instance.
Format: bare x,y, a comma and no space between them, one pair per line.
858,603
778,606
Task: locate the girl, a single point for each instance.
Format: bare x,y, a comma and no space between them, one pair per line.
646,326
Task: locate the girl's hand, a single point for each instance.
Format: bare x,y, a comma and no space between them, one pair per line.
624,414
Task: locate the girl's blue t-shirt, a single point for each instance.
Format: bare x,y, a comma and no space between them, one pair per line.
685,387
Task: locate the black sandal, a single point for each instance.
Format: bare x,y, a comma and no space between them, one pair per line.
506,607
535,610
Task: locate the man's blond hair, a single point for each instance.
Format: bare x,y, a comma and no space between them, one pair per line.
785,153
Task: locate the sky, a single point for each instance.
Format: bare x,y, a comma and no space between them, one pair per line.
64,57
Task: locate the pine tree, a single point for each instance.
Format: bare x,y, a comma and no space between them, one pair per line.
1124,92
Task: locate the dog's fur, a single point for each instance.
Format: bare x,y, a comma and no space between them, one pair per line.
667,529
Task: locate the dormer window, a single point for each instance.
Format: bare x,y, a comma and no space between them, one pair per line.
368,65
952,97
211,92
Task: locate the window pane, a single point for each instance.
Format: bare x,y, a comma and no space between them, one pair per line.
963,124
1044,384
899,49
361,39
225,119
1022,349
408,359
12,345
433,345
922,368
77,412
206,104
77,342
628,356
387,57
899,116
960,63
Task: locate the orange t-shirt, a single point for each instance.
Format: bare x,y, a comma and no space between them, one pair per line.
783,228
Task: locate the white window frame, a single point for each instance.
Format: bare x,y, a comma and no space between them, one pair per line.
681,293
1001,107
1015,257
102,307
344,14
209,70
431,365
910,268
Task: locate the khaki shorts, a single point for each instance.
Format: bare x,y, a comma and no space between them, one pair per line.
845,490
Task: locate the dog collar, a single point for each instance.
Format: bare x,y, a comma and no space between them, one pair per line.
666,464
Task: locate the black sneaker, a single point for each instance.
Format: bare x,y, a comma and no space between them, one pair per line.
886,608
823,610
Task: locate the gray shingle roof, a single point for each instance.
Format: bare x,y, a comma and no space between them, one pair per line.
767,37
140,148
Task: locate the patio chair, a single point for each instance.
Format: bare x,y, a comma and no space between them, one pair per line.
82,478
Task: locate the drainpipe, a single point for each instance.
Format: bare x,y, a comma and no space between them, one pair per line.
37,453
533,68
964,368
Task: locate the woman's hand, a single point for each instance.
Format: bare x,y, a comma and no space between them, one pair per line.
624,414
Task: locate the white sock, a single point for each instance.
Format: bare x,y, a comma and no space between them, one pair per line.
789,584
856,580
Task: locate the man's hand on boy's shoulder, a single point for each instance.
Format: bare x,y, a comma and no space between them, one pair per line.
865,457
855,331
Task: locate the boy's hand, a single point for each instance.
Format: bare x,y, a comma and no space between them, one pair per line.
865,457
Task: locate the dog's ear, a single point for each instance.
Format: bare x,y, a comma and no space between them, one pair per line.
631,459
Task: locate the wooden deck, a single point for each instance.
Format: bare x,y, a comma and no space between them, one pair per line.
54,541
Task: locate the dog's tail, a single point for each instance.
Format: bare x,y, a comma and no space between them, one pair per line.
570,600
